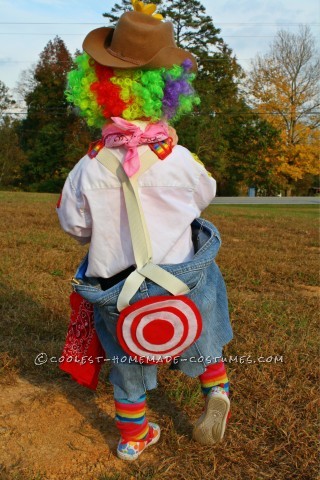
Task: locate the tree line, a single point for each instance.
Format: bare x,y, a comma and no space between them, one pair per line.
257,129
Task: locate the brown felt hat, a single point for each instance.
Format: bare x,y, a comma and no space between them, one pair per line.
137,41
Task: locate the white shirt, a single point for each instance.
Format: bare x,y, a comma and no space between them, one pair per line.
173,193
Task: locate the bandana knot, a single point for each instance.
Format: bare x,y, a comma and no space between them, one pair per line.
130,136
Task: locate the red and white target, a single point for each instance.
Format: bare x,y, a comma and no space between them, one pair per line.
159,328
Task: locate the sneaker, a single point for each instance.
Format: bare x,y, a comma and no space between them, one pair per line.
131,450
210,427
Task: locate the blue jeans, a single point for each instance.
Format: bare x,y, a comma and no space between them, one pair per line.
207,290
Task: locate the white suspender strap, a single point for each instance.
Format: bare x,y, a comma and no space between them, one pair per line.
139,233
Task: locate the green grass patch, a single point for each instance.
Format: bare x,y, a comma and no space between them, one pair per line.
265,211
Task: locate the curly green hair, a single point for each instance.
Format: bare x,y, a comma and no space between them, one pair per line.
101,92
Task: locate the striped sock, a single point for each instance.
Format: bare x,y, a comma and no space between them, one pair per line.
131,419
214,376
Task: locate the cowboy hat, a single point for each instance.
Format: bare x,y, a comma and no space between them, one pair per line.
137,41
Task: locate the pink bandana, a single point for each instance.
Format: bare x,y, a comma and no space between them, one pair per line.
128,135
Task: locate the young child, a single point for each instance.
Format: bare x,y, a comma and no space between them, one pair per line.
131,81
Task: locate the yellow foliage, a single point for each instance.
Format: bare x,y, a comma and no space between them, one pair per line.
281,105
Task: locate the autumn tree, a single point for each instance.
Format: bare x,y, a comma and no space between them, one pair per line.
252,142
12,157
25,85
284,85
52,136
6,100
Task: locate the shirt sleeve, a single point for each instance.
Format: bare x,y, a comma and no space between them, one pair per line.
205,190
74,213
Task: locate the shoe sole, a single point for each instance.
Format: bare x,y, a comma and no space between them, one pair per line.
130,458
211,426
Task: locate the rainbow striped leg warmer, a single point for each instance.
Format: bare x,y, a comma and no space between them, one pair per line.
214,376
131,419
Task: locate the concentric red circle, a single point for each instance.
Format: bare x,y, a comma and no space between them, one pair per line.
158,329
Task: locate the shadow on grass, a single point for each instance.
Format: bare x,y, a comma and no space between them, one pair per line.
29,329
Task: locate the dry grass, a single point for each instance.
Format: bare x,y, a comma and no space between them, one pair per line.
52,429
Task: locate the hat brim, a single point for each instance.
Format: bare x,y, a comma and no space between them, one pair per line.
97,43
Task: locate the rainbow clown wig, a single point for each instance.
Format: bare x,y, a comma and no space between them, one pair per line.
101,92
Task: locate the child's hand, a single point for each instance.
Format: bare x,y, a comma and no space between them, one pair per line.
174,136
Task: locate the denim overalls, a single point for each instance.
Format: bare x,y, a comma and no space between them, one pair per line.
207,289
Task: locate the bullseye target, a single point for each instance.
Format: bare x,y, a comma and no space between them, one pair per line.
159,328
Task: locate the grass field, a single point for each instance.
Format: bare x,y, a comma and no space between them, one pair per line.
52,429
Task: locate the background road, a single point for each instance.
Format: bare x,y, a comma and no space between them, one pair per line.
267,200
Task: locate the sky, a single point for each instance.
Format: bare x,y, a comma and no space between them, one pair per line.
247,26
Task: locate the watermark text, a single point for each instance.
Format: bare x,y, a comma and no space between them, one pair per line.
43,358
